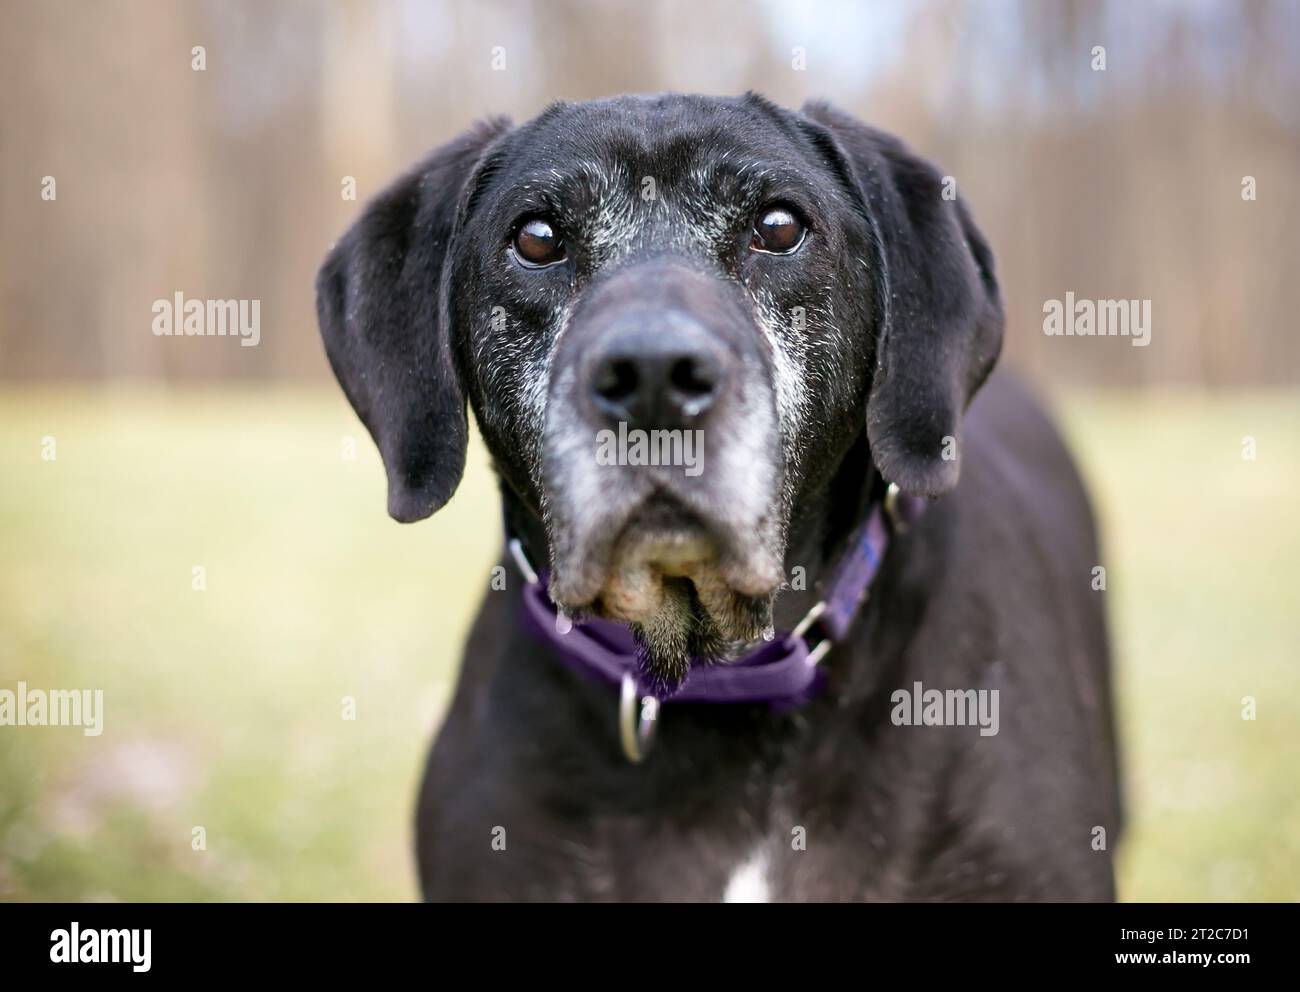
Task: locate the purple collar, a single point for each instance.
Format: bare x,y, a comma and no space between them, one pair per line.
783,672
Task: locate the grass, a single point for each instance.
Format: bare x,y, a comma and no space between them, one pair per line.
224,707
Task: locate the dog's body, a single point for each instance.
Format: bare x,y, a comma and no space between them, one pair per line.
526,795
990,590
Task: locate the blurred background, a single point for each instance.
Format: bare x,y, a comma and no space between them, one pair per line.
224,704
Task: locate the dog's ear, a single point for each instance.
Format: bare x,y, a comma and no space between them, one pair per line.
386,333
936,306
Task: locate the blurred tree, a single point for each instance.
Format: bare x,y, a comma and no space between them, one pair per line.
227,182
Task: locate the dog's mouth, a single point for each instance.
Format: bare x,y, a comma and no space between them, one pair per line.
671,578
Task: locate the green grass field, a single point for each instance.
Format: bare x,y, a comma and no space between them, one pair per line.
224,707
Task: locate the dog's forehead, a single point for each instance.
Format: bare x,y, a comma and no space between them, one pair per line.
671,139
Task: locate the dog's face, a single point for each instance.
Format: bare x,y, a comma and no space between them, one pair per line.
727,290
678,265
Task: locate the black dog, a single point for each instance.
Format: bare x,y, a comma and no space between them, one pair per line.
806,294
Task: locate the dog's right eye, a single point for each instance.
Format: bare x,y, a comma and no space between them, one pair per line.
537,243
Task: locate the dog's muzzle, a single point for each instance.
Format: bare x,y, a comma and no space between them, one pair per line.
661,464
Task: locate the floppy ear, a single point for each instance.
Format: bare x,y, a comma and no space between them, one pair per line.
937,310
386,333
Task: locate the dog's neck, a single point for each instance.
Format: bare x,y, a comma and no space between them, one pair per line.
825,514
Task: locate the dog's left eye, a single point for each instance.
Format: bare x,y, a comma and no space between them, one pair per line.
777,231
538,244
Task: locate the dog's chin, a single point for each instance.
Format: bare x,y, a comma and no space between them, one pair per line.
677,590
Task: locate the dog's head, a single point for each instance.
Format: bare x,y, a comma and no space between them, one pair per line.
672,316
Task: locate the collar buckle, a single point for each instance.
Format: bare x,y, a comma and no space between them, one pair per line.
815,654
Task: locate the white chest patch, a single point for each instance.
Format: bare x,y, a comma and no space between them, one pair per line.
748,881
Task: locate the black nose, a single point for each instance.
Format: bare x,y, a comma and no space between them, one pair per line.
655,380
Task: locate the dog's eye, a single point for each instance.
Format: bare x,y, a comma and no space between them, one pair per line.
778,231
537,243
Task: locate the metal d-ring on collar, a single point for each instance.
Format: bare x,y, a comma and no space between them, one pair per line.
525,567
636,735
